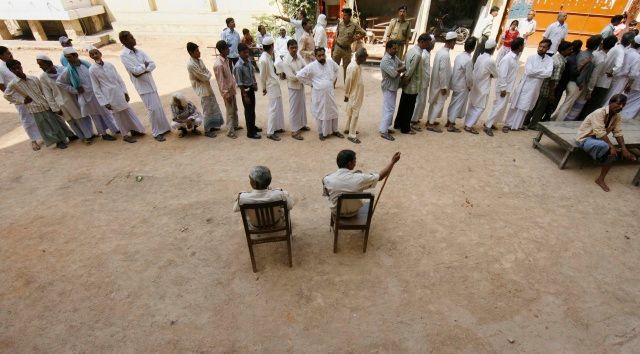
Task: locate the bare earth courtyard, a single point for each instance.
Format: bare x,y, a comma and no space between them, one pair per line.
479,245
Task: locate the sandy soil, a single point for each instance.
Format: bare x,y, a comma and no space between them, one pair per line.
479,245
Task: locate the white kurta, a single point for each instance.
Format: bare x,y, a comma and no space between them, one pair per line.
59,100
269,81
631,60
461,82
421,101
26,119
483,71
297,104
440,74
536,69
632,109
323,100
507,71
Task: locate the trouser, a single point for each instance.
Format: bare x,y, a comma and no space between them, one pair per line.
249,104
231,107
276,115
388,107
598,149
127,121
457,105
421,104
103,122
480,47
497,112
539,112
473,113
28,123
632,107
436,108
343,55
618,83
232,62
82,127
352,113
515,118
597,100
405,111
155,113
572,94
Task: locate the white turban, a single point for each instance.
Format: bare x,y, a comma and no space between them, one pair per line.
450,36
267,41
43,57
490,44
637,39
69,50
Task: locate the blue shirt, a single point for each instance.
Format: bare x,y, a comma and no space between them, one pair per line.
232,37
243,73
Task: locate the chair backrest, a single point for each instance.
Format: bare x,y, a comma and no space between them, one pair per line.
352,196
267,217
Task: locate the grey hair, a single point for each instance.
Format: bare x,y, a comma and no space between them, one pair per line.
261,176
361,52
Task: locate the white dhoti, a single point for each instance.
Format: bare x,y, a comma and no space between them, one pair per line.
103,122
572,94
473,113
297,109
327,127
276,115
515,118
388,107
457,105
497,112
632,108
82,127
618,83
28,123
421,105
436,108
155,113
195,120
128,121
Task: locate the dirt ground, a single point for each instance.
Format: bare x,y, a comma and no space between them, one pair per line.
479,245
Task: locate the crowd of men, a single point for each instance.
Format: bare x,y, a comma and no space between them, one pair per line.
76,100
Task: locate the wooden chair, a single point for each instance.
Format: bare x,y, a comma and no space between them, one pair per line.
267,228
361,221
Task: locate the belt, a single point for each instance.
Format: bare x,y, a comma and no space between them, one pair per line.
345,47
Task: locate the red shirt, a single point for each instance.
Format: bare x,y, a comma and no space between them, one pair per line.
509,36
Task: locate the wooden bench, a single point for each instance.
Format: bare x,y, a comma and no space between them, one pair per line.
564,134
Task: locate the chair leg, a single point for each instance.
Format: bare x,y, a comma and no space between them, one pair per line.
253,259
335,240
289,250
366,240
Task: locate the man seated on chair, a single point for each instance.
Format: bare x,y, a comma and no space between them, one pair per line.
260,179
346,180
593,136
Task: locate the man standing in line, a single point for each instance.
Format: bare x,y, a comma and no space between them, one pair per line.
227,87
200,78
307,44
537,68
280,48
320,75
461,84
607,62
421,101
76,79
399,30
632,90
354,94
62,102
26,119
26,90
610,28
440,81
232,37
507,72
391,68
485,28
271,88
347,32
246,82
64,42
621,77
139,66
483,71
556,32
111,93
295,22
412,81
527,27
547,95
292,64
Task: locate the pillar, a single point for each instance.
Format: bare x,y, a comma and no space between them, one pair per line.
73,28
37,30
5,34
213,6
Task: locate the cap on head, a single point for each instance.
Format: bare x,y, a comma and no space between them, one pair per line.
490,44
451,35
69,50
267,41
64,40
43,57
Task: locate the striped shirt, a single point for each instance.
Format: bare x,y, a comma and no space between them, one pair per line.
390,77
18,89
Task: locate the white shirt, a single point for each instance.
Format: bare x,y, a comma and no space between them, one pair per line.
440,74
260,37
483,71
527,26
426,69
321,77
85,99
507,71
268,79
536,70
134,62
108,86
297,25
629,62
556,33
280,46
59,98
347,181
634,71
612,64
462,74
258,196
291,68
598,61
6,76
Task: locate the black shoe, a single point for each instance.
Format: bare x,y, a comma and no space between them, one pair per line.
257,129
61,145
273,137
136,133
108,137
280,131
254,136
305,128
73,138
183,132
159,138
488,131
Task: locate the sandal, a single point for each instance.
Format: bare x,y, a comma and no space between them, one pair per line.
338,134
453,129
470,130
505,129
297,136
354,140
232,135
129,139
35,146
387,136
416,127
434,129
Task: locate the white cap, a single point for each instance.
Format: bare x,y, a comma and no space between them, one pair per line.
69,50
267,41
91,47
433,38
637,39
490,44
450,36
43,57
64,39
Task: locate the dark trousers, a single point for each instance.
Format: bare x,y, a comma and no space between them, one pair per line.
540,113
232,62
598,96
250,111
480,48
405,111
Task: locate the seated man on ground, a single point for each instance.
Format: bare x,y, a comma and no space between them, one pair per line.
346,180
260,179
185,115
593,136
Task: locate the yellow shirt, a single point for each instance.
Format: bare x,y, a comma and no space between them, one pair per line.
599,124
345,34
398,30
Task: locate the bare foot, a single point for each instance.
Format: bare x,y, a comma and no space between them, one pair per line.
35,146
602,185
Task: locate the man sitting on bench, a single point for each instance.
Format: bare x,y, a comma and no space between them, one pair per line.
345,180
594,140
260,179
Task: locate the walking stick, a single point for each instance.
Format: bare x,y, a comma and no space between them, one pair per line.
379,194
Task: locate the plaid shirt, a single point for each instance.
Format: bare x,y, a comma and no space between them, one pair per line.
559,62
